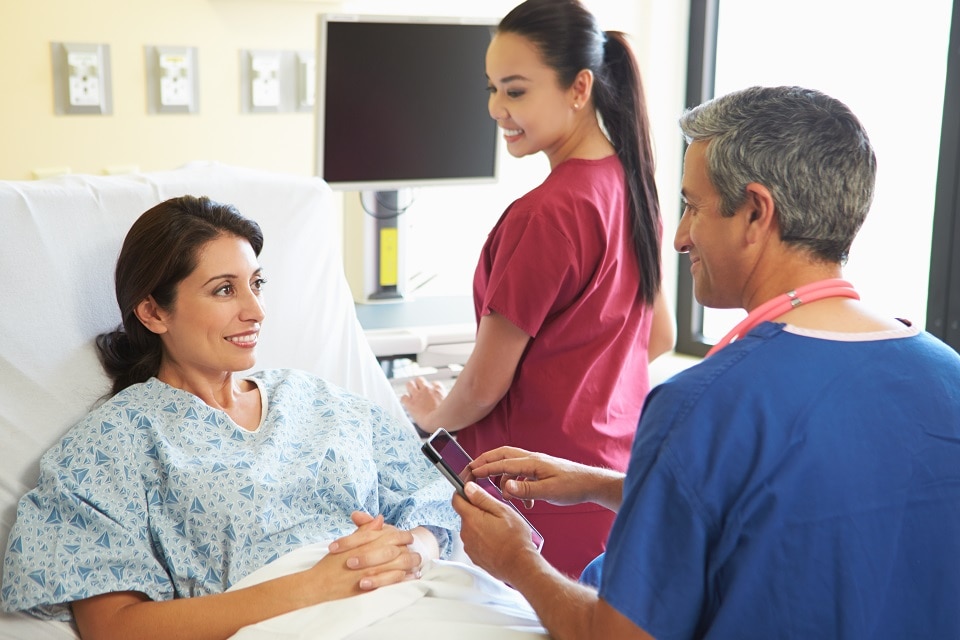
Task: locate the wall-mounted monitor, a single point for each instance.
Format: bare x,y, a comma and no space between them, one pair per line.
402,102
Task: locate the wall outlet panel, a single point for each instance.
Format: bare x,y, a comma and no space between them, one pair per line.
173,79
261,81
81,78
265,80
277,81
306,80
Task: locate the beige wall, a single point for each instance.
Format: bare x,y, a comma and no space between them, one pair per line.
32,137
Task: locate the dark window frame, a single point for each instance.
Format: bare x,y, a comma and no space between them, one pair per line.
943,298
701,72
943,293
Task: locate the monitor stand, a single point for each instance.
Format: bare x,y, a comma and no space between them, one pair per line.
374,242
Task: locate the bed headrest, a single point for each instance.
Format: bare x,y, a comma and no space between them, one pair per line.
59,240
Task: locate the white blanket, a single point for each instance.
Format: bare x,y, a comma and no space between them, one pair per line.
451,600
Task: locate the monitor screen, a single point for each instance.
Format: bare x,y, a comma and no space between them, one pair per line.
402,102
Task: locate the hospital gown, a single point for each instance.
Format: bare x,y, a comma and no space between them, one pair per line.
157,492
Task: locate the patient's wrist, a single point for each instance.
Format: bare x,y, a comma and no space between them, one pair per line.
426,544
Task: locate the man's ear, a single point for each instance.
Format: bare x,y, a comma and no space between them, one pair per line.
151,315
761,213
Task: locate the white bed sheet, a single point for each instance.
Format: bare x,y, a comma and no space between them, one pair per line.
59,239
451,600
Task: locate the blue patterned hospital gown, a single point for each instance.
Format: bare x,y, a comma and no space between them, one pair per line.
155,491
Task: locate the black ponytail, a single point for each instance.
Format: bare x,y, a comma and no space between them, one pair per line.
618,94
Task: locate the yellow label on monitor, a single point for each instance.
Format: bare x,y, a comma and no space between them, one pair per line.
389,239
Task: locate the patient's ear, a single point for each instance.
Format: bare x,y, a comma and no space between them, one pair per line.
151,315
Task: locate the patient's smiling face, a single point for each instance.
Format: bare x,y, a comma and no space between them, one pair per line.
526,99
214,323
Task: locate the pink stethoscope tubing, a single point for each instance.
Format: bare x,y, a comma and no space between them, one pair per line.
776,307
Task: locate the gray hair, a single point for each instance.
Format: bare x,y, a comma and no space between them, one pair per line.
807,148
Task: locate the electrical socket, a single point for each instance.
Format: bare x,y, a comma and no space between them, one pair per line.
83,79
172,79
277,81
81,75
175,86
265,80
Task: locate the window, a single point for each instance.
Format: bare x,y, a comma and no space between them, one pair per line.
888,64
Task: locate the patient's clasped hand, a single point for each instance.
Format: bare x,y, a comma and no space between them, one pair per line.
191,476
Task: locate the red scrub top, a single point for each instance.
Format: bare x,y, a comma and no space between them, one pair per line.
560,265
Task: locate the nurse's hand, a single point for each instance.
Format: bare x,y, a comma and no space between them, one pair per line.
528,476
422,398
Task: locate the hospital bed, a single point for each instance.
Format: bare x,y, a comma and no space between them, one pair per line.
59,240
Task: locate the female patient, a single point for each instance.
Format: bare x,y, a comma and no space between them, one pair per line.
191,476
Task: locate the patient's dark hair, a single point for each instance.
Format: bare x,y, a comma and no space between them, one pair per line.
161,249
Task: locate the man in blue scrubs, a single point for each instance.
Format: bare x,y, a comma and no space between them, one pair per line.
804,479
